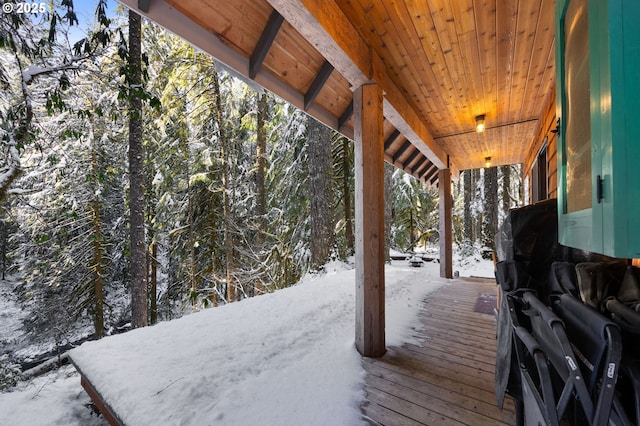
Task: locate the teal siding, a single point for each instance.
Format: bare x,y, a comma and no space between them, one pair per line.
612,225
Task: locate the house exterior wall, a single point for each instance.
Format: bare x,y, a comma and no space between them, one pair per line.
546,137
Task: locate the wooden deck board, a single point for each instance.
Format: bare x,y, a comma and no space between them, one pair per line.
449,378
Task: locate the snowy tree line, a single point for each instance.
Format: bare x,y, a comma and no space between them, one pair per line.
241,194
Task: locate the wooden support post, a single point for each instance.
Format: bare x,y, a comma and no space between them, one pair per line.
446,229
369,173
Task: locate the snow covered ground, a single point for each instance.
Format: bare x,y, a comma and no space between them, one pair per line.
286,358
11,316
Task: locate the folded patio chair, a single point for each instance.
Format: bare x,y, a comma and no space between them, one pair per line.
628,389
622,308
535,400
629,292
553,388
591,282
563,278
510,275
622,313
597,344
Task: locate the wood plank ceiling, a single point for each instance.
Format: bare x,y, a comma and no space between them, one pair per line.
450,59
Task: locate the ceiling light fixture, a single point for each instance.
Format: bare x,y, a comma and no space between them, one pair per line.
487,162
480,123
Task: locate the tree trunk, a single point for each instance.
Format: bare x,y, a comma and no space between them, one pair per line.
506,189
412,231
152,251
213,249
388,208
490,216
98,284
477,195
320,166
261,199
226,189
3,246
153,284
347,167
193,285
467,218
136,178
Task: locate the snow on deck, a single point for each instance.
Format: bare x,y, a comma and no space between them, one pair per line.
286,358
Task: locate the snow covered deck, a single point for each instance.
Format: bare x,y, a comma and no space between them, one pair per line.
285,358
289,358
448,379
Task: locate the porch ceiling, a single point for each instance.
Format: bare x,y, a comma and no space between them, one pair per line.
440,64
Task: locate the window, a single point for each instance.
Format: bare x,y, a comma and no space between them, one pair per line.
539,176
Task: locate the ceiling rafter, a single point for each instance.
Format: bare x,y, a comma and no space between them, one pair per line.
391,139
431,173
318,83
264,43
426,170
409,160
421,162
346,115
425,167
407,144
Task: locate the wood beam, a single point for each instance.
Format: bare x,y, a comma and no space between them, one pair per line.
317,84
426,170
328,29
264,42
391,139
430,172
407,121
422,162
401,114
407,144
446,228
346,115
143,5
369,217
412,157
105,409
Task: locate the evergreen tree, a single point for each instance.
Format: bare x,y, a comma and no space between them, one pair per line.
287,186
260,183
320,165
133,75
506,189
467,216
343,169
490,215
415,213
388,208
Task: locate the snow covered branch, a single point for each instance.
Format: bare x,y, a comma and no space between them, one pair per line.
32,71
12,170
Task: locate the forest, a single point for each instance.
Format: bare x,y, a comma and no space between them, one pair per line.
140,180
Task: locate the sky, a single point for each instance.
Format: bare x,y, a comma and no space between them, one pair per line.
85,11
278,359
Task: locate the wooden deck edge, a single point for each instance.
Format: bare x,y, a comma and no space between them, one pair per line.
107,412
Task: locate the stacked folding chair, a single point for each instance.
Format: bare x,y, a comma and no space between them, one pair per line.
566,363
